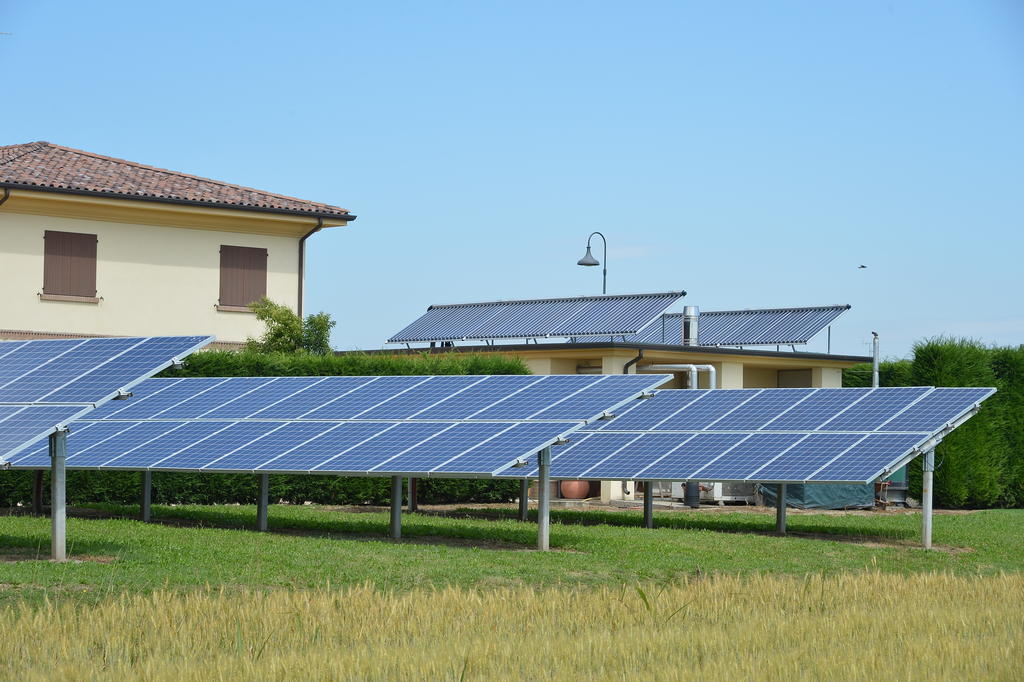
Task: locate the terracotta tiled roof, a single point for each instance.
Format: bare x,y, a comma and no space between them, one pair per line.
45,166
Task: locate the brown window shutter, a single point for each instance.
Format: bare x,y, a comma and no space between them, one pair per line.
69,263
243,275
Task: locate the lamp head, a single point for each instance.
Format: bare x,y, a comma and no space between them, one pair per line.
588,259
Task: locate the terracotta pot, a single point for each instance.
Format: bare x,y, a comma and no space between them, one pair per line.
575,490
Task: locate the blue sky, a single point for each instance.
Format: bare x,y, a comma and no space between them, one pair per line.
752,153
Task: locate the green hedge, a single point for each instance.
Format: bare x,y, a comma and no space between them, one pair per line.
981,464
248,364
173,488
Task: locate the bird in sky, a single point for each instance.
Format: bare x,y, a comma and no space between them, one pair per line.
861,267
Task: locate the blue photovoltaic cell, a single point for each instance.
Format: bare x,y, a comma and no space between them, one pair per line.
313,397
326,446
598,397
644,414
103,441
747,457
381,448
86,437
536,397
142,360
445,445
690,456
866,460
638,456
879,406
275,443
151,442
152,396
475,398
522,441
29,355
419,397
366,397
806,457
269,393
580,454
65,368
821,406
936,409
760,409
30,424
8,347
7,410
210,398
82,441
221,443
705,411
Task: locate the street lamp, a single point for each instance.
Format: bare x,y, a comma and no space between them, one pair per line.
588,259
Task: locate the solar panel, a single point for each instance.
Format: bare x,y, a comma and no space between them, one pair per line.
45,384
764,327
538,318
448,426
767,435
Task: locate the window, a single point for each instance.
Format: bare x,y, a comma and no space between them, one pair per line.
243,277
69,266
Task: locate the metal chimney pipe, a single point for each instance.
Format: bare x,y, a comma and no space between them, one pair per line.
874,359
691,313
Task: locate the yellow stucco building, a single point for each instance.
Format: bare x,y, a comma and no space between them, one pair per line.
93,245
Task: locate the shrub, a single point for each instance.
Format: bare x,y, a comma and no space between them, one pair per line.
286,332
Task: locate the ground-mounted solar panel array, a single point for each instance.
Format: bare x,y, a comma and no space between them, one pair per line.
581,317
799,435
47,384
759,327
444,426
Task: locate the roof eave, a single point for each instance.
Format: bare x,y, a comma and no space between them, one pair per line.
337,218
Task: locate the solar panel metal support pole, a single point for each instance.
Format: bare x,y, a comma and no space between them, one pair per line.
58,509
263,504
413,502
926,498
648,504
37,492
780,509
544,499
524,499
396,507
146,497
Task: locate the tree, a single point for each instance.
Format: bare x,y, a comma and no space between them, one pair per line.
287,333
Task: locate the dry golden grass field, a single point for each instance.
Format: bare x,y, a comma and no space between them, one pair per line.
867,626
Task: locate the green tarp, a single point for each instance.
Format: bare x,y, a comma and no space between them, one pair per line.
819,496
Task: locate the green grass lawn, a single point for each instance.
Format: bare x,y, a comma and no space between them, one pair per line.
311,546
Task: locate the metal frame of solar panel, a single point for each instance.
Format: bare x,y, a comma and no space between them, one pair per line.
813,435
579,317
47,384
422,426
756,327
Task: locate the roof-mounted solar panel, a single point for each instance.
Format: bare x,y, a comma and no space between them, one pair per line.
539,318
759,327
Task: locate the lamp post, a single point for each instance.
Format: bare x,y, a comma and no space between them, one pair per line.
589,260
